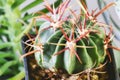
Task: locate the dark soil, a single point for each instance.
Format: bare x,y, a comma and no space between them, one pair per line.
36,73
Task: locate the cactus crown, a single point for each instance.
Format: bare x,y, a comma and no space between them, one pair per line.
70,41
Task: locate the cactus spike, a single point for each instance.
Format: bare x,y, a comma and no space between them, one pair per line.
47,5
76,54
39,48
29,53
108,45
59,52
65,35
63,6
72,45
105,8
84,46
56,44
75,45
91,70
84,8
93,16
116,48
83,35
108,54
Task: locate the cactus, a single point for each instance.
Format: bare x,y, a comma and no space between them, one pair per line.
70,47
73,43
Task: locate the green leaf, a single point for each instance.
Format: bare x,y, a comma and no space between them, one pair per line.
18,76
4,67
2,31
6,44
31,5
1,11
3,20
2,3
10,2
17,3
5,54
28,16
27,29
2,61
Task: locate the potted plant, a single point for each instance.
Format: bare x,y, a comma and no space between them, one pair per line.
68,45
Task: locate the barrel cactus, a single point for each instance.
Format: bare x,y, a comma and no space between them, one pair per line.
73,43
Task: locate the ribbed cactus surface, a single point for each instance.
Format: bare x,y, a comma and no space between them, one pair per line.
71,48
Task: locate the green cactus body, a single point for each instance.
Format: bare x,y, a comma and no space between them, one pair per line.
72,65
66,60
